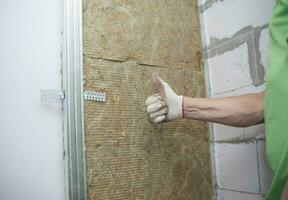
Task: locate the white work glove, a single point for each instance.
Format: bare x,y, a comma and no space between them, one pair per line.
165,106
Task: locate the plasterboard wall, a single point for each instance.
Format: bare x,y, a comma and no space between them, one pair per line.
31,133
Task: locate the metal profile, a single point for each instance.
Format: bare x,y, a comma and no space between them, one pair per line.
74,135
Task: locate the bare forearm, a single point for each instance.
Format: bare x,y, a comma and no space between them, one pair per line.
241,111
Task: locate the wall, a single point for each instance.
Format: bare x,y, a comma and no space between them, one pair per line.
129,157
31,147
236,41
236,46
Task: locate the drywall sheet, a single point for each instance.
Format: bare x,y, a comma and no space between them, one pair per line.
128,157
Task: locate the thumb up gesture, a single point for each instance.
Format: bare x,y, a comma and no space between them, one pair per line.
166,105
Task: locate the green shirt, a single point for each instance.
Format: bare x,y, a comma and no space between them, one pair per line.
276,101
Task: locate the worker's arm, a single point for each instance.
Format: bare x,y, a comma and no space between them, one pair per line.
285,192
241,111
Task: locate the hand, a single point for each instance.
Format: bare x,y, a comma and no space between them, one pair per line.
165,106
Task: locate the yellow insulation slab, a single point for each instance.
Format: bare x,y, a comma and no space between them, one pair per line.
128,157
153,32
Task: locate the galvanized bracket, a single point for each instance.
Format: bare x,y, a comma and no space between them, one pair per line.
94,96
52,95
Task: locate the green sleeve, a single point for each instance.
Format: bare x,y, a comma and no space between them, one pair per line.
276,100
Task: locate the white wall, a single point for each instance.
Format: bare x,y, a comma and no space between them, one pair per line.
31,146
236,40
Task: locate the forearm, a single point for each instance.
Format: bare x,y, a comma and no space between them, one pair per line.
241,111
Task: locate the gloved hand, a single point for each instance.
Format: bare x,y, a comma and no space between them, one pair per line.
165,106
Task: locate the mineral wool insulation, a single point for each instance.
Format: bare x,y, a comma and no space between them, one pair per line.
128,157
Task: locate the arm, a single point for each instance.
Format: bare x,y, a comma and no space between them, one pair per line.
241,111
285,192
